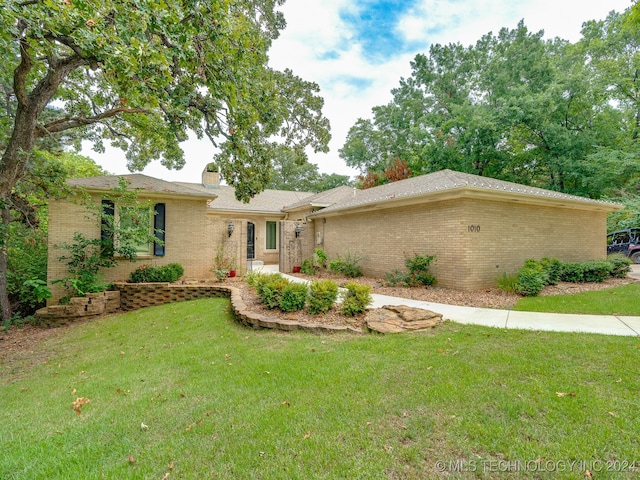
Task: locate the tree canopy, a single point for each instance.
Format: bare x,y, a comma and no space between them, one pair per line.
297,174
142,74
517,107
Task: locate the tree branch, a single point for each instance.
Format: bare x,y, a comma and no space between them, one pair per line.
69,123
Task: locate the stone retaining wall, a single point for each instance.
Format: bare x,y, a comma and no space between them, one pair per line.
132,296
140,295
79,308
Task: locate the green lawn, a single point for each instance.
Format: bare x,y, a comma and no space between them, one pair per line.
622,300
182,391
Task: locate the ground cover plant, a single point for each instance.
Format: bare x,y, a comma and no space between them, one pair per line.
182,391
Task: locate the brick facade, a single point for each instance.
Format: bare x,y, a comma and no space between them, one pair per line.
474,240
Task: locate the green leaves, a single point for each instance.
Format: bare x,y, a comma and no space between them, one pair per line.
516,107
151,70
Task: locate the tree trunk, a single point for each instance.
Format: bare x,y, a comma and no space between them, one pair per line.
4,249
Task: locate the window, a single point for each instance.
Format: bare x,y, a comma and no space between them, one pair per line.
271,236
133,240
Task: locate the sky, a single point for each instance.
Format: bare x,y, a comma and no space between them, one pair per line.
358,50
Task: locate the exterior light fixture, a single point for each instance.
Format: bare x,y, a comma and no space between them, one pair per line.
230,227
298,230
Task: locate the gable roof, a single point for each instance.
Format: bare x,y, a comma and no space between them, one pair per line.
448,184
138,181
265,202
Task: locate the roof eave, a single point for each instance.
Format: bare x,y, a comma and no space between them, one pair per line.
153,193
475,193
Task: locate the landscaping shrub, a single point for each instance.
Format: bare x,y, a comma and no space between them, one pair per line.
531,281
395,278
320,257
596,270
322,295
255,278
553,269
294,296
349,265
620,265
507,283
572,272
418,267
146,273
538,267
269,288
308,268
356,298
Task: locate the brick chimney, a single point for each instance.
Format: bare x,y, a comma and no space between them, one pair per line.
211,176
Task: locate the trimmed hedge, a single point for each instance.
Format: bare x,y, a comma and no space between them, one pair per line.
534,275
322,295
147,274
356,298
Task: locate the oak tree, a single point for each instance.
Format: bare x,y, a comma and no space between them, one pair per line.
142,74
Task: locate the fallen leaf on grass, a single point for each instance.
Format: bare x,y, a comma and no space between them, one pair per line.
306,435
588,474
131,459
286,403
79,403
564,394
612,414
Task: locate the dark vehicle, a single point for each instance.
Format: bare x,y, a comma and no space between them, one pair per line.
626,242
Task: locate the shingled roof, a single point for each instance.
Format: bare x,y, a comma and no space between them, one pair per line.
268,201
449,181
138,181
323,199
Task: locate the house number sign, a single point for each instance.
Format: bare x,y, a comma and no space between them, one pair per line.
474,228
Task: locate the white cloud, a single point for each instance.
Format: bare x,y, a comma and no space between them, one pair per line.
318,46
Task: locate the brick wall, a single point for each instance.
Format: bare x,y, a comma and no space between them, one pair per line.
474,240
191,239
295,249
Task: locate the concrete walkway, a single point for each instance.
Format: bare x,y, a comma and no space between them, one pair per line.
488,317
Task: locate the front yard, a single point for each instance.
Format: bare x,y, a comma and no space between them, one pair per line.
182,391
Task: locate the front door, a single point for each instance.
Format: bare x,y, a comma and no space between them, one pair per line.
251,239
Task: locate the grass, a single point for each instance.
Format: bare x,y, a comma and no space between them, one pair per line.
182,391
622,300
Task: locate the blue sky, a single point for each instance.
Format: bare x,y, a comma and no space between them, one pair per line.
357,51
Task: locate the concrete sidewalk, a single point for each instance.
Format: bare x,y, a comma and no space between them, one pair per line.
555,322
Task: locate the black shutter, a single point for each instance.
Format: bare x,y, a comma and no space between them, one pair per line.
158,229
106,228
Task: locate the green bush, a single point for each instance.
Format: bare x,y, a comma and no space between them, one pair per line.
620,265
553,269
418,267
596,270
308,268
270,288
356,298
294,296
538,267
531,281
349,265
572,272
395,278
322,295
146,273
320,257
